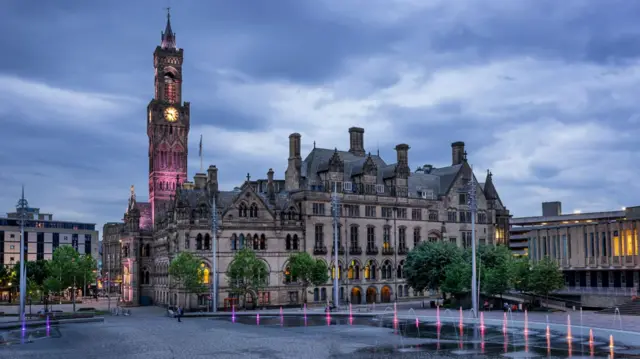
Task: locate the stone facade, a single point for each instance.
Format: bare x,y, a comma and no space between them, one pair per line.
385,211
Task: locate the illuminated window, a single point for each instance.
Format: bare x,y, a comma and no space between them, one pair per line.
631,250
170,88
354,270
617,244
333,271
205,273
386,237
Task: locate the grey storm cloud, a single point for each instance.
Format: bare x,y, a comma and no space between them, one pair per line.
543,92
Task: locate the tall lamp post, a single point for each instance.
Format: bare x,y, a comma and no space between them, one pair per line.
473,206
395,252
22,205
214,260
335,205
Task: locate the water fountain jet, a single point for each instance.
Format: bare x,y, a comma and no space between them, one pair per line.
350,315
281,317
233,313
482,327
461,319
569,337
504,324
526,323
590,336
438,322
258,319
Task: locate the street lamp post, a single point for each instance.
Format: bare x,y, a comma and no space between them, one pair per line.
395,253
23,205
214,260
335,204
473,205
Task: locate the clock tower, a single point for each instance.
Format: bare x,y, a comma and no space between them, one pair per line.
167,123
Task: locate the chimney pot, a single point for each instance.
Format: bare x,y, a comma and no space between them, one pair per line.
356,141
457,153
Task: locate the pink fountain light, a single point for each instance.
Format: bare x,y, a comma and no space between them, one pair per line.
395,315
305,314
611,346
569,337
258,319
590,336
461,318
526,322
482,327
417,323
504,324
328,317
233,313
438,323
548,332
350,315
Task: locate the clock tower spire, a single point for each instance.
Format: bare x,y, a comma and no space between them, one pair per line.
167,124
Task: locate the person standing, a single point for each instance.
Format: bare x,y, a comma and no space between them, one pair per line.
179,313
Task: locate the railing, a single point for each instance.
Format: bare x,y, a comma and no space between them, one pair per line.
340,249
318,250
615,291
387,251
372,250
355,251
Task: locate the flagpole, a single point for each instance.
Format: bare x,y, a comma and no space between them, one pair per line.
200,154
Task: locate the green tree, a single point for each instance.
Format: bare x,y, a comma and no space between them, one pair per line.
308,271
247,274
495,272
457,278
187,271
546,276
520,273
425,265
37,271
67,269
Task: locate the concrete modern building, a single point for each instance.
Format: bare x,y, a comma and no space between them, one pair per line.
43,235
598,251
386,210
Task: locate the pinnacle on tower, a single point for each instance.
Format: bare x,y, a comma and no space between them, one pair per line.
168,37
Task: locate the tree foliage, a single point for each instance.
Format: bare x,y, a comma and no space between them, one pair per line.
187,271
546,276
66,269
457,280
247,274
37,271
495,269
307,270
520,273
425,266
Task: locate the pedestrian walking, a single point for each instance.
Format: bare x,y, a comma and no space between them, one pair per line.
179,313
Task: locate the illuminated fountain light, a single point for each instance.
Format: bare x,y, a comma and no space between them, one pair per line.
350,315
461,319
258,319
438,322
482,327
305,314
233,313
281,317
569,337
417,323
548,332
591,341
328,317
504,324
526,323
395,315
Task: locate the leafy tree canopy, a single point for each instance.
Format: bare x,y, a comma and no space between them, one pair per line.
247,273
307,270
457,280
520,273
425,266
546,276
187,269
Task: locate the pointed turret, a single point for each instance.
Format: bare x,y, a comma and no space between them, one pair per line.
168,37
489,189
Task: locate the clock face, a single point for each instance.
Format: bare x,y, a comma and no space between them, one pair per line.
171,114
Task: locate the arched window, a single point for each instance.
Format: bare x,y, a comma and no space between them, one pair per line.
406,290
234,242
354,270
370,270
316,294
296,242
323,294
333,271
386,270
400,272
263,242
256,242
354,237
170,92
253,210
402,237
241,241
386,237
287,242
207,241
199,241
242,210
416,236
205,273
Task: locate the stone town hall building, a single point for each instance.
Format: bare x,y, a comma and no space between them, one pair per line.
386,210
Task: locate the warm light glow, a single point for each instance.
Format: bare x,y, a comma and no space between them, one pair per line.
617,245
205,274
624,208
577,211
630,248
171,114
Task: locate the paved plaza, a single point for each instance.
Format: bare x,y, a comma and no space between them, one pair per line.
148,333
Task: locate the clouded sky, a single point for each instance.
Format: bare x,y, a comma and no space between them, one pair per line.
543,92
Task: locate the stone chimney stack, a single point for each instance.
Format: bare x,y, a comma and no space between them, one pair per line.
356,141
200,180
292,175
271,189
457,153
402,154
212,179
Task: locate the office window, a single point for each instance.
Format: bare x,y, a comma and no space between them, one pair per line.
87,244
605,247
55,243
40,246
617,244
370,211
74,241
416,214
565,246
